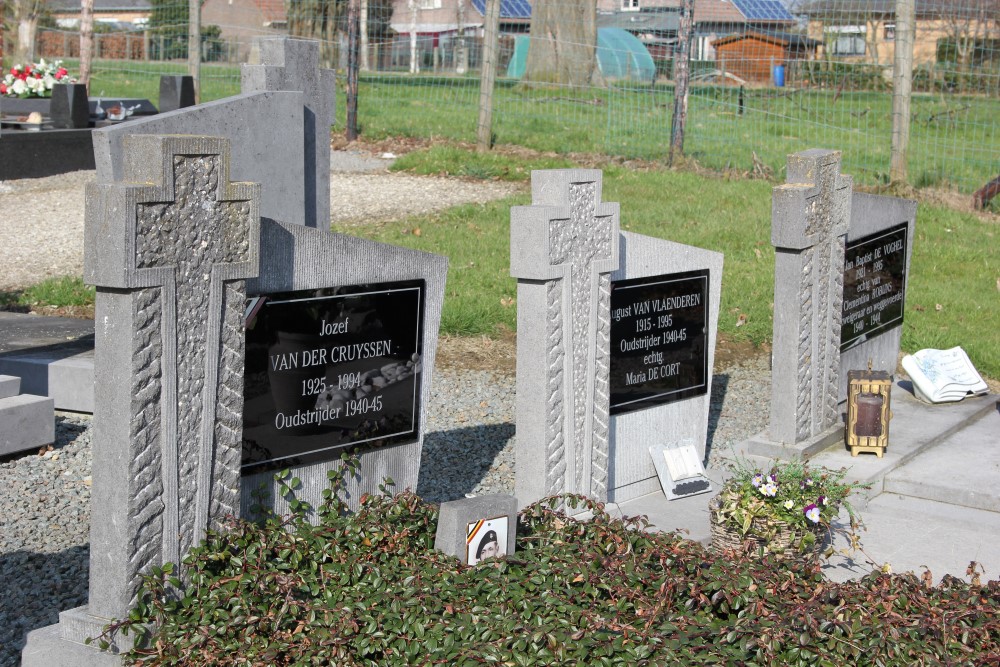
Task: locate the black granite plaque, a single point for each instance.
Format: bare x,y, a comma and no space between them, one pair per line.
331,368
874,280
659,340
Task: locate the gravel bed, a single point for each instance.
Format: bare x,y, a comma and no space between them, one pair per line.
468,448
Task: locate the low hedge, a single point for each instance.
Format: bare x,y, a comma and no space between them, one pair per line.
368,588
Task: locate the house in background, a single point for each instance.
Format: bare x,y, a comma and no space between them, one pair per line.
713,19
865,30
438,23
752,56
117,13
242,20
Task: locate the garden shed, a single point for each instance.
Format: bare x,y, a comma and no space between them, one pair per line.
752,55
620,56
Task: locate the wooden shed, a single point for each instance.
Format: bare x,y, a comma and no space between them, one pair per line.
751,55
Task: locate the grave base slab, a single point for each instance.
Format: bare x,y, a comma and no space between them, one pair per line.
762,445
61,645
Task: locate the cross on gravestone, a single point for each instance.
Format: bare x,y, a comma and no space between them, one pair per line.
810,220
169,261
564,248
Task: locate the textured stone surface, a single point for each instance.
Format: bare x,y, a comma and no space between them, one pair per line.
810,221
871,214
293,257
563,250
455,516
169,260
632,470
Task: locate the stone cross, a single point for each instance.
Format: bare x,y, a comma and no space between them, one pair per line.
810,220
563,250
169,259
280,63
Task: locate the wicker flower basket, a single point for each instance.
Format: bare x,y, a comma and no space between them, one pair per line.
780,543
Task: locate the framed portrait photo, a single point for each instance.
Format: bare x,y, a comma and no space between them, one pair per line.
486,538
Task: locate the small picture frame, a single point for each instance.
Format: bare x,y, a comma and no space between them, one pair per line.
487,539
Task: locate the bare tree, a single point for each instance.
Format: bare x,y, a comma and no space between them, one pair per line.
26,14
968,24
563,42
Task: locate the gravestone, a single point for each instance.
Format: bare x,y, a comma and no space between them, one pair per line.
678,287
176,92
564,248
810,220
26,421
276,128
876,269
170,259
616,340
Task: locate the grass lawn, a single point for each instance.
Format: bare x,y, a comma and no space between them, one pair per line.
954,139
955,265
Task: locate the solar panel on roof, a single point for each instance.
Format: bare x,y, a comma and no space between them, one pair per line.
509,9
763,10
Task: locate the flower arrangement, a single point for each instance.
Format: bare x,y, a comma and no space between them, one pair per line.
35,80
786,510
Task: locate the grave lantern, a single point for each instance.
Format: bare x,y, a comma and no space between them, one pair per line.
868,412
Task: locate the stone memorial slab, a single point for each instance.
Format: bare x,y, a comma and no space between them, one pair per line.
876,268
169,252
474,529
297,259
683,289
563,250
616,341
810,221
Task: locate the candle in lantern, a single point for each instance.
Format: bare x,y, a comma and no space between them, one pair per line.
869,421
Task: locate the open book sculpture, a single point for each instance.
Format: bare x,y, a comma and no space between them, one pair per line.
942,376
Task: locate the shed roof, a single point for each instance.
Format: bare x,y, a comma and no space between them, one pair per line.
773,37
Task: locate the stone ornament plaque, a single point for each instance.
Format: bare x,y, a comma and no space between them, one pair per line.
659,349
331,368
874,285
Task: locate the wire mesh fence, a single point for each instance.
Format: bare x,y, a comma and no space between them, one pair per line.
768,77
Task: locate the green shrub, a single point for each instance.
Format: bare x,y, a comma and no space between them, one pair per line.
367,588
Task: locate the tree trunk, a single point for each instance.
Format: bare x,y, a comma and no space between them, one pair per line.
902,83
86,40
487,75
363,29
26,18
194,45
682,72
563,42
414,64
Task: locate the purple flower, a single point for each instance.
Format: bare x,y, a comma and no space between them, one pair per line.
821,501
758,479
812,513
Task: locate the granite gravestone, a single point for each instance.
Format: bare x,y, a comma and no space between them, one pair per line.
876,267
810,220
616,340
179,253
661,362
169,253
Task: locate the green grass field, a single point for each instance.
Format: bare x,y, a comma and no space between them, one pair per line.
956,257
954,139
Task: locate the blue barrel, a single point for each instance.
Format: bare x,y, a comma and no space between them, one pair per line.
779,76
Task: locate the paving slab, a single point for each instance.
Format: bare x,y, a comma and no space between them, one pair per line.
915,534
962,470
53,356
